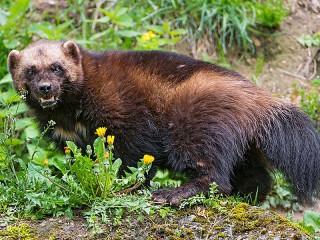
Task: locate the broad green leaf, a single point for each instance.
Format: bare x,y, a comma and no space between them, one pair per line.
24,122
312,219
9,96
13,141
116,165
34,197
72,146
14,110
61,164
98,147
6,79
124,20
32,132
36,154
11,43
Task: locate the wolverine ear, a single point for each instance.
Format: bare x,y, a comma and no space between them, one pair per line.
72,50
13,60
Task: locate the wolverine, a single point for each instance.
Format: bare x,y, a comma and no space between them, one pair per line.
194,117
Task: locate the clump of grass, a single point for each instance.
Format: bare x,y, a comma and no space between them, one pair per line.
226,22
271,13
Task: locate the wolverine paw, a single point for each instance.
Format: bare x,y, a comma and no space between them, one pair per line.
170,196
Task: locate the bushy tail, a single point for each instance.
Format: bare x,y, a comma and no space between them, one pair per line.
292,145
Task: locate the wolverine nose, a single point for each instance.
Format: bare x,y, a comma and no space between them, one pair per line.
44,87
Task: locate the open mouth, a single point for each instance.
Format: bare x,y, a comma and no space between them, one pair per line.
48,101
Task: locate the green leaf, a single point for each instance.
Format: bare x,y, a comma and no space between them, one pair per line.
14,110
34,198
9,96
73,147
166,26
104,19
127,33
16,11
98,147
13,141
116,166
32,132
98,35
11,43
36,154
178,31
22,123
121,11
6,79
312,219
124,20
156,29
61,164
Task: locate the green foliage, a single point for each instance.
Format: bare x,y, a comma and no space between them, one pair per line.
310,40
57,186
311,221
225,21
168,179
310,100
281,195
271,13
12,29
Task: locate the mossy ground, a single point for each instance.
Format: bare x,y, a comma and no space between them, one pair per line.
233,221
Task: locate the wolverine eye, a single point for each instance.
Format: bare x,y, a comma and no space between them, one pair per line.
57,69
30,72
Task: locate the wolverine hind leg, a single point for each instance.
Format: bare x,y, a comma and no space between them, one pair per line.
203,138
251,177
210,159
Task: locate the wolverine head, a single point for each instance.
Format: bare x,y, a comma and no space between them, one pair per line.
47,70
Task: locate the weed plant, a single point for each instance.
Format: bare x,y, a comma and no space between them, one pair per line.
310,40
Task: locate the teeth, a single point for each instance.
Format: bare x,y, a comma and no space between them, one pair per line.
47,99
47,102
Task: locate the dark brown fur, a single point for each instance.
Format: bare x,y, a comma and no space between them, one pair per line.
192,116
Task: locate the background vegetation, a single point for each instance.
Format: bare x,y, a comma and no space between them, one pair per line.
35,179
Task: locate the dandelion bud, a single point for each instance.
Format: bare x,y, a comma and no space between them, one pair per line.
67,150
46,162
110,139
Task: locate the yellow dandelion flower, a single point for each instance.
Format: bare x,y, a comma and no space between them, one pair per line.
67,150
110,139
145,37
151,34
101,131
147,159
106,155
46,162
